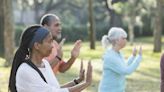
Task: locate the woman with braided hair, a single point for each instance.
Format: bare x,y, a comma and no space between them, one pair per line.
31,73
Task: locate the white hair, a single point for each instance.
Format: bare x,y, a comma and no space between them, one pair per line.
113,34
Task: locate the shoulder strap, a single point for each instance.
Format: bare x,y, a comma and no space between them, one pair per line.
34,67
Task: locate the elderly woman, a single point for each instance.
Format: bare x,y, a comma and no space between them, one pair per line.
114,66
162,72
31,73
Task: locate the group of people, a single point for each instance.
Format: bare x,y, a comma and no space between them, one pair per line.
39,57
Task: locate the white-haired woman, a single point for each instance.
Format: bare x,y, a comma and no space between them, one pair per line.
114,66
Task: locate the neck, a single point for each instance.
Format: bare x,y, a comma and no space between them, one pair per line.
36,59
116,48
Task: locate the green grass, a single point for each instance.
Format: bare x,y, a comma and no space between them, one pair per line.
145,79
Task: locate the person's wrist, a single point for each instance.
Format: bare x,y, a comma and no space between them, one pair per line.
73,57
79,80
87,83
76,81
59,58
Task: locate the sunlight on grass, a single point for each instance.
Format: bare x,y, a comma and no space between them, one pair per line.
145,79
4,75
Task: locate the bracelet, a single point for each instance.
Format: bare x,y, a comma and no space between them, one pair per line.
58,58
75,81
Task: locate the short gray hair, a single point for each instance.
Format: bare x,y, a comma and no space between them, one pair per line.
48,18
113,34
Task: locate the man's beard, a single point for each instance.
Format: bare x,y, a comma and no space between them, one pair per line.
58,37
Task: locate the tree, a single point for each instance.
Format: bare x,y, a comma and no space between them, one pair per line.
127,11
158,26
1,29
115,18
47,6
91,26
8,31
131,21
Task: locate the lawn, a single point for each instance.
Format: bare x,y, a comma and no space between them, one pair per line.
145,79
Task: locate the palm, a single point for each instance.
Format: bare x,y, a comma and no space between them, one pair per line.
76,50
89,73
82,71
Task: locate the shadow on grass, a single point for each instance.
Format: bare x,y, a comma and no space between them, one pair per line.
141,85
154,73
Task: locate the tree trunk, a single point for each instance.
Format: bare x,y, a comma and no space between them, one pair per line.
91,26
1,29
8,32
158,27
131,22
131,27
115,19
131,33
36,9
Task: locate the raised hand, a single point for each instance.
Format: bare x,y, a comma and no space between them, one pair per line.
89,74
81,73
62,42
140,51
76,50
59,48
134,51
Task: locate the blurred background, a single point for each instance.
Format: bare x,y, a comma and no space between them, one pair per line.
89,20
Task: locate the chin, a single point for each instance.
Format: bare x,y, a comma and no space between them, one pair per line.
59,36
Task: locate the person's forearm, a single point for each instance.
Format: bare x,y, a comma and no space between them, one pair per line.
65,66
78,87
54,62
70,84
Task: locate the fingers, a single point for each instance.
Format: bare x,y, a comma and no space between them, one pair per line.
89,72
81,67
140,50
76,50
62,42
135,51
77,44
82,72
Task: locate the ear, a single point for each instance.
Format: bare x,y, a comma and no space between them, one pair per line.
46,26
36,45
117,41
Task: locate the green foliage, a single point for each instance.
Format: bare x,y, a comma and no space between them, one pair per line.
74,33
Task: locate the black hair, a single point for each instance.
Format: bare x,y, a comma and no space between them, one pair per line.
46,19
21,54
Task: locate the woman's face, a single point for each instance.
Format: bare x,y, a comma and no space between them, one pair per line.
122,42
46,46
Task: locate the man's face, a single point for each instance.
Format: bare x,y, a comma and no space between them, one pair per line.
55,28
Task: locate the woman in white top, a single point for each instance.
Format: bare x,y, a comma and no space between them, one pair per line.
31,73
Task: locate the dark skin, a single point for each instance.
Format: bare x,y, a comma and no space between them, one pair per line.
41,50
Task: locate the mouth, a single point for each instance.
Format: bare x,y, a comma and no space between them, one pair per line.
59,32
